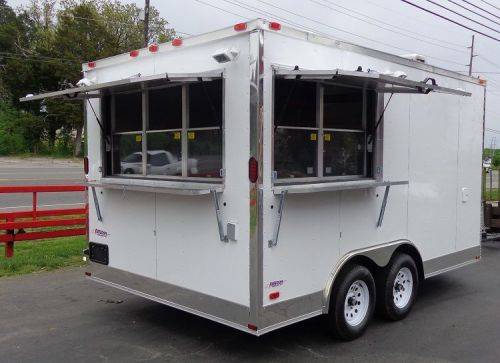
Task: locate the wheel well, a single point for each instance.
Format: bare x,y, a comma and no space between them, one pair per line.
413,253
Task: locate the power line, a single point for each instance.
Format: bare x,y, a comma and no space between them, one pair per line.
368,22
480,8
450,20
493,6
463,16
257,10
473,12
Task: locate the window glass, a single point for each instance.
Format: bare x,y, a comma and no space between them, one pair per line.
205,104
343,108
344,153
128,112
295,153
127,154
165,108
164,153
295,103
205,153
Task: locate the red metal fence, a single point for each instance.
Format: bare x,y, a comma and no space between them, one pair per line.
14,223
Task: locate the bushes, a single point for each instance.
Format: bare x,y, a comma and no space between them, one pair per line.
12,131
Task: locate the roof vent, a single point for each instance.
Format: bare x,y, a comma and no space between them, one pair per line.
415,57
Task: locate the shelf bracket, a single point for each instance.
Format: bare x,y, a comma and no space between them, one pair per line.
274,242
382,208
96,204
223,237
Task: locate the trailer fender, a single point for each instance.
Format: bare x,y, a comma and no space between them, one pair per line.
372,257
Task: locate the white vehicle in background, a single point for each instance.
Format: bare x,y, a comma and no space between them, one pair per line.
347,136
487,165
159,162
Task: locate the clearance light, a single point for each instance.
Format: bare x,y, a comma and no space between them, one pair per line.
91,64
274,295
134,53
177,42
253,170
240,27
86,165
88,273
482,82
252,327
153,48
274,26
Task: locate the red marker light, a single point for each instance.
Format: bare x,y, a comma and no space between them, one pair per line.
91,64
253,170
240,27
274,26
86,165
252,327
134,53
274,295
153,48
88,273
177,42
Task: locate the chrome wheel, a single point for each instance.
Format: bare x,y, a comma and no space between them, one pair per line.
356,303
402,288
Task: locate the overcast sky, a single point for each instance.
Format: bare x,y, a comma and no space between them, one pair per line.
389,25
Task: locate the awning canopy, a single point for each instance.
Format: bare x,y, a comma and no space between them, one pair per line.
127,83
370,80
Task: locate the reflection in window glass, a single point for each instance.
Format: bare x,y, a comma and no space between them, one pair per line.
294,103
205,104
205,153
165,108
295,153
128,112
164,153
343,108
344,153
127,154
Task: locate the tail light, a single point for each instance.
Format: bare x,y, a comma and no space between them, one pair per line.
253,170
274,26
177,42
86,165
240,27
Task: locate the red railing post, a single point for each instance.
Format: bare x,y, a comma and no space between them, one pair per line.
34,205
9,246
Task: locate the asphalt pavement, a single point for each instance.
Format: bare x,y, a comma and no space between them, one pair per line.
62,317
40,171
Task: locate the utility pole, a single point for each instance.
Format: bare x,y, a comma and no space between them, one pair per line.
472,55
146,23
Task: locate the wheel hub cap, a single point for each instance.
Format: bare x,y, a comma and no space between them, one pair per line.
356,303
403,287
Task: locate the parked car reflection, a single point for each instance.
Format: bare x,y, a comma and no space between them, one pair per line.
162,162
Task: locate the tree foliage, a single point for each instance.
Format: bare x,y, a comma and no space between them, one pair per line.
43,45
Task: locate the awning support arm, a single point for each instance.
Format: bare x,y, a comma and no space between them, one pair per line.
108,141
274,242
96,204
370,137
222,235
382,208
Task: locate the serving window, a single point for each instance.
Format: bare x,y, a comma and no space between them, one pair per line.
321,130
163,131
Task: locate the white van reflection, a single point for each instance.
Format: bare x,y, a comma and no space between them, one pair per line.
160,162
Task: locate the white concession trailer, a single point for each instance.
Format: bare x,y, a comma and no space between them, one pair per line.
261,175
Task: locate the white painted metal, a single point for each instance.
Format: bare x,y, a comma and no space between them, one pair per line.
428,148
357,302
402,288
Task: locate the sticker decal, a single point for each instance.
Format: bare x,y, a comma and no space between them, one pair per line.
101,233
275,284
138,138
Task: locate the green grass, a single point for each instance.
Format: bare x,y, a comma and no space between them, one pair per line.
43,255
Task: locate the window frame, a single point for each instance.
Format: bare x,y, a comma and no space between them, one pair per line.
368,157
184,83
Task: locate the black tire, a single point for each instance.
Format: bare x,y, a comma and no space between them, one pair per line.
336,318
128,171
386,304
